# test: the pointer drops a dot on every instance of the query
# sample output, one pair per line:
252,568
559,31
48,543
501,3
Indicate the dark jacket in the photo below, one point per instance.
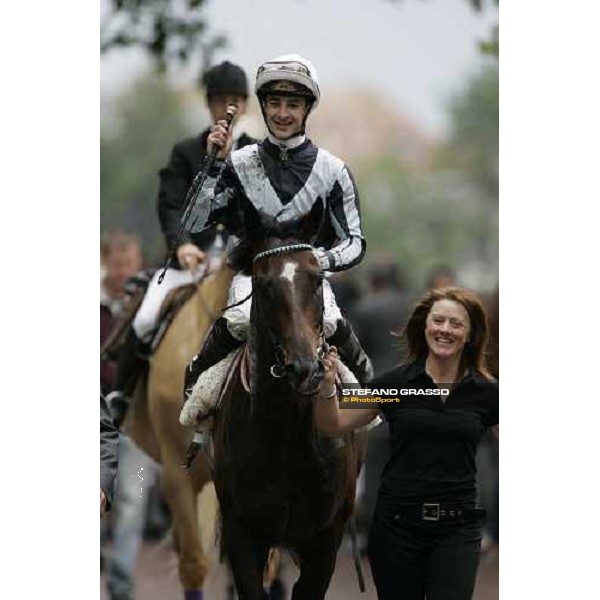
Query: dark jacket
109,451
186,160
107,367
376,318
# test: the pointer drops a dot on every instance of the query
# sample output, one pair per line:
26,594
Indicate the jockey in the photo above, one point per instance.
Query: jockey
224,84
284,176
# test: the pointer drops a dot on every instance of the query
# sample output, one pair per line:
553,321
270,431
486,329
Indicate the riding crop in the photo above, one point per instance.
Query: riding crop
192,195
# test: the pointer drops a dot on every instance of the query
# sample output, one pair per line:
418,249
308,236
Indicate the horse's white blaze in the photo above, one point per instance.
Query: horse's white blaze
288,271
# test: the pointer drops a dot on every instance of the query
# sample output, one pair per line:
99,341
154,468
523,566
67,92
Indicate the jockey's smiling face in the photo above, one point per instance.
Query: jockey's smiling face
284,114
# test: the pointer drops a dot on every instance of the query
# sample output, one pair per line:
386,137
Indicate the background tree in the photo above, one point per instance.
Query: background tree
170,31
173,31
448,213
472,145
134,145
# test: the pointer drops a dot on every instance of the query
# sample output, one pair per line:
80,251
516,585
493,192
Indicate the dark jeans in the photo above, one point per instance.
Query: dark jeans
413,560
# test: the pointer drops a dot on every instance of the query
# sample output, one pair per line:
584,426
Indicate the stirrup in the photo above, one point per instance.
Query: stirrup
200,440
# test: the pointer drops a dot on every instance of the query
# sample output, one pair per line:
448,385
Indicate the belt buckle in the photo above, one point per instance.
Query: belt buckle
427,506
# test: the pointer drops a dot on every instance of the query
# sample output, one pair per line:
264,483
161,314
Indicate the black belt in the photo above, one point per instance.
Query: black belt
432,511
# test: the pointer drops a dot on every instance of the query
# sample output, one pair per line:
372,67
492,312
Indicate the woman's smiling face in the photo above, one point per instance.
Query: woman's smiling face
447,329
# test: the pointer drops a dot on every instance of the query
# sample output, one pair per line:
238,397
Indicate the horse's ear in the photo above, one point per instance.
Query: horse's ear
310,226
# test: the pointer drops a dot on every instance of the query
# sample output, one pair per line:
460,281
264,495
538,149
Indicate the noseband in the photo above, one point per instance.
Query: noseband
278,369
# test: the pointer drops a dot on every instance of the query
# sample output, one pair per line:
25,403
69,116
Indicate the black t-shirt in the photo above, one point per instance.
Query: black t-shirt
433,442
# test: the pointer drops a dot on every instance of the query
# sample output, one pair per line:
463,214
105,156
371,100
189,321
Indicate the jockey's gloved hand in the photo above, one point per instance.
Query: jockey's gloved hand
323,259
189,256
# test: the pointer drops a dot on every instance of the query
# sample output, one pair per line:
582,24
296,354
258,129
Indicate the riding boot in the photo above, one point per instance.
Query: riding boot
132,361
217,345
351,352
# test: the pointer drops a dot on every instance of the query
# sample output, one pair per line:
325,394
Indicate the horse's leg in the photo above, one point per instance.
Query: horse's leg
154,424
181,495
317,562
247,559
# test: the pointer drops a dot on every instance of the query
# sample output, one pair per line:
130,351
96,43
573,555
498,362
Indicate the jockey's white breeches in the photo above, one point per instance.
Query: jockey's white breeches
147,315
238,318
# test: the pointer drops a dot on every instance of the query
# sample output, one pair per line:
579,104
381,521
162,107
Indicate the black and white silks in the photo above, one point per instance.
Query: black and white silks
285,183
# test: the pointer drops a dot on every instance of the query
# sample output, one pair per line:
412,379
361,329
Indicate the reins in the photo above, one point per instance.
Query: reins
278,369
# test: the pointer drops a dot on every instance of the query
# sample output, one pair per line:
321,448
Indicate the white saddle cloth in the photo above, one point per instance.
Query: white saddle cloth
205,394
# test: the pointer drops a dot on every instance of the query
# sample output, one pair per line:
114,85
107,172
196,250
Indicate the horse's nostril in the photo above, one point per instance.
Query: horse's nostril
300,369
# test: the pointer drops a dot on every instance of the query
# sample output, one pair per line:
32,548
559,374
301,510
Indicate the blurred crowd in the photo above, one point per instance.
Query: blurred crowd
377,301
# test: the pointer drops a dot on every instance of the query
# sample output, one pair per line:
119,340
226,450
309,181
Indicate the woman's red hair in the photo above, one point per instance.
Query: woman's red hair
474,353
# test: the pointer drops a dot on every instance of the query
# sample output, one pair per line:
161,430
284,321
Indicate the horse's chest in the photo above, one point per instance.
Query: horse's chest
288,500
286,516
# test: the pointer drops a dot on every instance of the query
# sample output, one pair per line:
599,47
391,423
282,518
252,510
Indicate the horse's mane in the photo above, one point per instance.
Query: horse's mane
240,257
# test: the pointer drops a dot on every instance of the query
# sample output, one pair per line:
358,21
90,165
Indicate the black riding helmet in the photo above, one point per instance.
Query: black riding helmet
225,78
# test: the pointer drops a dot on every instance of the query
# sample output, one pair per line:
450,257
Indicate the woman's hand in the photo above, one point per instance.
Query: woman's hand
330,363
329,418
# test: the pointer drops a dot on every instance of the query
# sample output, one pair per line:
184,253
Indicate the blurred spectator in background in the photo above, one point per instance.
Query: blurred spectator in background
224,84
109,449
487,455
121,258
383,311
137,475
346,289
440,276
380,313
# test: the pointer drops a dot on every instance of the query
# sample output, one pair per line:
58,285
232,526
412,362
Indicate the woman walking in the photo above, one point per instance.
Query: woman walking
425,536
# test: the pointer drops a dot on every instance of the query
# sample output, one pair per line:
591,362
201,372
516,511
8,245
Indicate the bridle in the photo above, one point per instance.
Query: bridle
278,369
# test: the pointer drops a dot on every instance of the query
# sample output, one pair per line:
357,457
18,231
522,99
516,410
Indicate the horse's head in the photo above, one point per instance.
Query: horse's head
287,306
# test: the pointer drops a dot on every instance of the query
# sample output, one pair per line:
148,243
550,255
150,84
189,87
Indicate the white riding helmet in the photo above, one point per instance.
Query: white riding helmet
290,67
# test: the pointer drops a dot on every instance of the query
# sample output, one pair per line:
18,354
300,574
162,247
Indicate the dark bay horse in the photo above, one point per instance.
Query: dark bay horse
279,483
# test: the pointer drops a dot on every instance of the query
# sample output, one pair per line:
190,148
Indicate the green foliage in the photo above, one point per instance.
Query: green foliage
148,121
450,213
491,46
423,219
169,30
473,142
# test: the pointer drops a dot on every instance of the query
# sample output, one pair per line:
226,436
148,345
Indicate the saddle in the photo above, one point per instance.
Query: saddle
136,288
204,399
175,299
